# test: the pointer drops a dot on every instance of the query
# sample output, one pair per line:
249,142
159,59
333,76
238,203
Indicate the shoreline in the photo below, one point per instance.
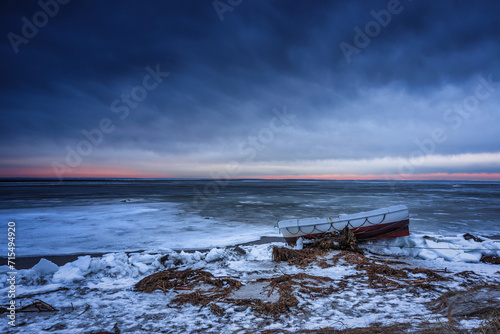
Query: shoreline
27,262
205,293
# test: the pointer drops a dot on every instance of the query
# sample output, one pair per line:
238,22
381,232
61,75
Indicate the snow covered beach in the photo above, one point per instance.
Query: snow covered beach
396,280
92,294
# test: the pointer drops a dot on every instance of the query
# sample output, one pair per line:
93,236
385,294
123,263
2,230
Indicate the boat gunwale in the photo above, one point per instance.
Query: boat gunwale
329,220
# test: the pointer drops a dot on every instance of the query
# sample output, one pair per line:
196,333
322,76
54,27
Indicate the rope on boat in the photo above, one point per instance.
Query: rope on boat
299,228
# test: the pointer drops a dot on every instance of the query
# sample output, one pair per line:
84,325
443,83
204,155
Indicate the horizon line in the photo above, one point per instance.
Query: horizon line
328,177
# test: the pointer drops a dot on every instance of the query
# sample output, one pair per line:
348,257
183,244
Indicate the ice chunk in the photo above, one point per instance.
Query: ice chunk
442,250
83,263
300,244
142,267
45,266
73,271
427,254
469,257
215,254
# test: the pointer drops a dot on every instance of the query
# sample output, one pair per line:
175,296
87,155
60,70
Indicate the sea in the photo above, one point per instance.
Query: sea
76,250
110,215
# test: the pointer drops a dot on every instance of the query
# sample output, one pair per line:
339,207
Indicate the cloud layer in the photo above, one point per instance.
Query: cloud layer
268,87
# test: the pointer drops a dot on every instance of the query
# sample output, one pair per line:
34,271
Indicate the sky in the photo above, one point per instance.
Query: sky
250,89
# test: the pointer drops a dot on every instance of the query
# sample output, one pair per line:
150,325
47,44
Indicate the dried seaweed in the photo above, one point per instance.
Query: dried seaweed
378,275
493,259
285,285
301,258
194,298
312,252
343,240
432,275
349,258
182,279
216,309
466,274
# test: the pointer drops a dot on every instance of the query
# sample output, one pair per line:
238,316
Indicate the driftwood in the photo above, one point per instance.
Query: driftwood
37,306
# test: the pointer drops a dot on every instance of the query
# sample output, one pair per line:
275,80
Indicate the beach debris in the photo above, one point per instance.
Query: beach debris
493,259
190,280
191,286
300,258
377,273
86,309
216,309
313,251
343,240
468,236
37,306
171,278
467,274
304,284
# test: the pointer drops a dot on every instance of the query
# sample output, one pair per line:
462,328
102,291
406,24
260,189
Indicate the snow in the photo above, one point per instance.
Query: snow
300,244
104,286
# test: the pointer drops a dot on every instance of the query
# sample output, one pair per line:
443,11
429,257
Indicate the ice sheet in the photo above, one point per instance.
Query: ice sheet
122,227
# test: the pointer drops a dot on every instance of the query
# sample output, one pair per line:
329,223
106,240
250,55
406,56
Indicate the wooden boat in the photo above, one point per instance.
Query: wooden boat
382,223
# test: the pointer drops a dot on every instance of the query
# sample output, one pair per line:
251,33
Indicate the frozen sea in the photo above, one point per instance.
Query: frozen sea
134,228
88,216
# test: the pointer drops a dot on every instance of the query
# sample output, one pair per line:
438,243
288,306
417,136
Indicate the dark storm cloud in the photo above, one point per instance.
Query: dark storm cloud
227,76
